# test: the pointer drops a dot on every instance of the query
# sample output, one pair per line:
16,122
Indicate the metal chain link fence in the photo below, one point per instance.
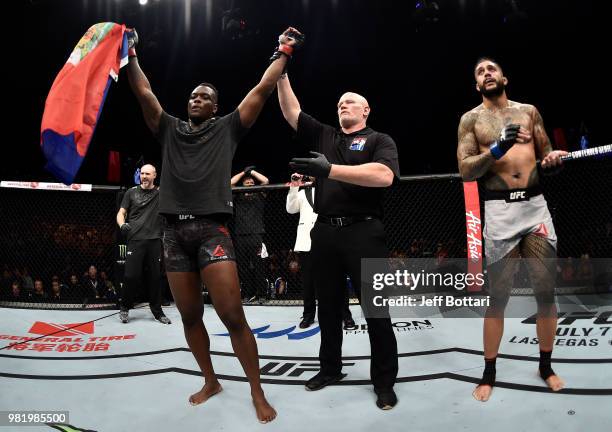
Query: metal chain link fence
56,236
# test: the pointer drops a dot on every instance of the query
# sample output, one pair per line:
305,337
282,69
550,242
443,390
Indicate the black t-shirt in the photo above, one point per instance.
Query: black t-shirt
142,206
249,214
197,164
336,198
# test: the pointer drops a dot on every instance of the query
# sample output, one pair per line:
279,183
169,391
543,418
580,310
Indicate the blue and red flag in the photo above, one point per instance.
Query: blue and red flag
77,96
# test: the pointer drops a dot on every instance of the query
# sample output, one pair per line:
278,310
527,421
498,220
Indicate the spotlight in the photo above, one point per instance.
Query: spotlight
514,15
143,2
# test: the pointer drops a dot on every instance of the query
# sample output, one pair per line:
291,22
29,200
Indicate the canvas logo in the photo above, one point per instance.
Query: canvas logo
570,318
261,333
398,326
74,329
292,369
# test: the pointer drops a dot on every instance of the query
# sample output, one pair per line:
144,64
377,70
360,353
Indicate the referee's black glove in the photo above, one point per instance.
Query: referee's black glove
317,166
125,228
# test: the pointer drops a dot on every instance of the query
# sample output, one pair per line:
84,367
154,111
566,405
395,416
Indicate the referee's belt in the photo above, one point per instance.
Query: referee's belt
512,195
342,221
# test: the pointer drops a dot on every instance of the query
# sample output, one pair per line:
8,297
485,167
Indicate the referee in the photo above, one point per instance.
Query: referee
353,166
139,221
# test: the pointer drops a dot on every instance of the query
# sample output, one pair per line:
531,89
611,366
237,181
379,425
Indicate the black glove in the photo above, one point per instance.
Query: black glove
506,140
125,228
247,170
132,39
318,166
290,40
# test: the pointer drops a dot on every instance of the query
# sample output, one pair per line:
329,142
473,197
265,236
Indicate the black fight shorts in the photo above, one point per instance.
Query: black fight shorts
193,242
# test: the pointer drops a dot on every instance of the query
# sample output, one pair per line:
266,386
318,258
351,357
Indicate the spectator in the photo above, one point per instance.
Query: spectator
56,291
27,281
109,292
584,275
39,293
302,202
92,284
74,291
567,271
248,231
16,293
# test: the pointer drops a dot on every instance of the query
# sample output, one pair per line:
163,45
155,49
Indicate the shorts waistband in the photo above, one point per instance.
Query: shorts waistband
174,218
512,195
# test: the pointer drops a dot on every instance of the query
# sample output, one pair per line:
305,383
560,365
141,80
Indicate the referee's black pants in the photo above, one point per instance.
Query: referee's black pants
336,252
308,289
141,255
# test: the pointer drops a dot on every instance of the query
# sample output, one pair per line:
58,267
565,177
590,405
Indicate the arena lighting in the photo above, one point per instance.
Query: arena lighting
143,2
514,14
426,13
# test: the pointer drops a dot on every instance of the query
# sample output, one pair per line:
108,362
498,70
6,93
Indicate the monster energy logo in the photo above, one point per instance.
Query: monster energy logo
122,251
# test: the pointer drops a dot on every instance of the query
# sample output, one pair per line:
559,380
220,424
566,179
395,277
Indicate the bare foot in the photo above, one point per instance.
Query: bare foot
482,392
265,412
207,391
555,383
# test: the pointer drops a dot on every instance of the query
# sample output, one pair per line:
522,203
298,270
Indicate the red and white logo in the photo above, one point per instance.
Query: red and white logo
219,252
74,329
541,231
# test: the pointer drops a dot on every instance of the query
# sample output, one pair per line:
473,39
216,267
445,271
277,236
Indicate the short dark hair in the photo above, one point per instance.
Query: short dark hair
210,86
486,58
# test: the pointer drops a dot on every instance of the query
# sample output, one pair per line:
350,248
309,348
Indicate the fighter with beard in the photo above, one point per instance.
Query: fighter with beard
499,142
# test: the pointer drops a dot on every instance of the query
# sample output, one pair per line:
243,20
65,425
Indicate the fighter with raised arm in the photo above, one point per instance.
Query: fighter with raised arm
196,202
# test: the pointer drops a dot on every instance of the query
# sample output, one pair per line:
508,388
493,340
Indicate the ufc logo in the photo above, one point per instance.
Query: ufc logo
517,195
185,217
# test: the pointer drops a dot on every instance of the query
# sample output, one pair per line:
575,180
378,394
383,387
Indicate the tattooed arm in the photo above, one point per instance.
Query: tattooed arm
540,138
472,163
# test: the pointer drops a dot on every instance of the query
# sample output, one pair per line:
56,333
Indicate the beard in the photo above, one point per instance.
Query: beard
498,90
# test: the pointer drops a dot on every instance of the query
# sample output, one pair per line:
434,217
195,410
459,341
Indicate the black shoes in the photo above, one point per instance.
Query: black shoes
349,323
163,319
124,316
319,381
386,399
306,321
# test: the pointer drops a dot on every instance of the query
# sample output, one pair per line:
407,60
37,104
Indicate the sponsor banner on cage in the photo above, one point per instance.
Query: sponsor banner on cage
473,228
437,287
75,187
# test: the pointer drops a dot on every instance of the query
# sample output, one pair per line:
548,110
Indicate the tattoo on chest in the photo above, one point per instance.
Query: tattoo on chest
490,124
